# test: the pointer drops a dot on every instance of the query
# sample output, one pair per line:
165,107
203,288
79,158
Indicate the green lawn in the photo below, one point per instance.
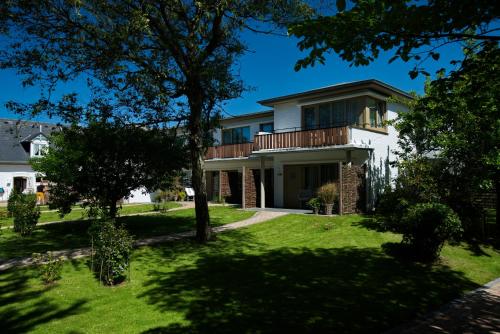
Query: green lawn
74,234
294,274
79,213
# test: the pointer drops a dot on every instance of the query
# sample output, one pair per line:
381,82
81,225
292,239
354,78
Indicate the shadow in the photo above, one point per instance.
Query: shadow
23,307
299,290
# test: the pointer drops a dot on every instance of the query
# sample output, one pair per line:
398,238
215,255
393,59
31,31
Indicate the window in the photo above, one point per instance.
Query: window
39,150
236,135
377,111
324,115
309,118
344,112
266,127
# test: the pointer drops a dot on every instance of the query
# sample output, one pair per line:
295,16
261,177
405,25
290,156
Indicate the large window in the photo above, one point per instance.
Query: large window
39,150
348,112
266,127
236,135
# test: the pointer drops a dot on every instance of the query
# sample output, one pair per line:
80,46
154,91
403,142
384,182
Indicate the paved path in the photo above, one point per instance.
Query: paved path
476,312
259,217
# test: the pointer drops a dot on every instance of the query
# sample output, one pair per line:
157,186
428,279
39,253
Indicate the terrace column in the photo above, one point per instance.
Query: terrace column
341,191
243,187
262,183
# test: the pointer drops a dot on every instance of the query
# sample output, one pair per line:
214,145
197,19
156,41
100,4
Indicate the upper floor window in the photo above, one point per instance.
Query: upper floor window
236,135
39,149
361,112
266,127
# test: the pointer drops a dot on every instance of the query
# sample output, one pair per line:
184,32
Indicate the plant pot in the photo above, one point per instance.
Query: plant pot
328,209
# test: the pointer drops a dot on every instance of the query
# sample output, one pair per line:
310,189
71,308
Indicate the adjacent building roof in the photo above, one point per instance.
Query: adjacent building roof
371,84
15,136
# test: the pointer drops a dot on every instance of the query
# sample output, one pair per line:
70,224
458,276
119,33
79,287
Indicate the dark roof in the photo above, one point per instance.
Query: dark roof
372,84
258,114
13,133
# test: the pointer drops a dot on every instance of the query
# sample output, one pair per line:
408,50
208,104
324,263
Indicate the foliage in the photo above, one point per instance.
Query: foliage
111,248
328,193
181,195
25,213
359,31
11,201
426,228
161,62
457,123
49,266
315,204
104,161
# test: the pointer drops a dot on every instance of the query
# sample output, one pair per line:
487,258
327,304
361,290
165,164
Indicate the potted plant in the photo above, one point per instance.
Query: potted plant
328,195
315,204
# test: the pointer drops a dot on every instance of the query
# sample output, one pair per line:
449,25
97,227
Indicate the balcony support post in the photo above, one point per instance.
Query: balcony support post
262,182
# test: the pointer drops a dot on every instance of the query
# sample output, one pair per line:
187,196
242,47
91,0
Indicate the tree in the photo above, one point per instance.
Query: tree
457,122
360,29
163,60
103,161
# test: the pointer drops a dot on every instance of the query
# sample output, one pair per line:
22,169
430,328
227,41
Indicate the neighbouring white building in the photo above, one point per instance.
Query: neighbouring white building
279,157
19,142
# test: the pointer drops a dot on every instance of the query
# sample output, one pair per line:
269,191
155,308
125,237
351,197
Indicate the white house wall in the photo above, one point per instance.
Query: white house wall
253,123
287,116
7,174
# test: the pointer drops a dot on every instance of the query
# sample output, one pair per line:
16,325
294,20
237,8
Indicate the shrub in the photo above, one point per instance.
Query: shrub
391,207
25,213
315,204
182,195
328,193
49,266
111,249
11,202
427,226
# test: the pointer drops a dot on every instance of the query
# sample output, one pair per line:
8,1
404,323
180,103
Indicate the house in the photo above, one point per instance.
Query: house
279,157
19,142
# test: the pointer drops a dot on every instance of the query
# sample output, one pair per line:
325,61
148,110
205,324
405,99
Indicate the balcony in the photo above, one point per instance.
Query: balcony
302,139
229,151
282,140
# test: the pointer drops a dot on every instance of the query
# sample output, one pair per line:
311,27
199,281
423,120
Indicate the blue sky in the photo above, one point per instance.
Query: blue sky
268,69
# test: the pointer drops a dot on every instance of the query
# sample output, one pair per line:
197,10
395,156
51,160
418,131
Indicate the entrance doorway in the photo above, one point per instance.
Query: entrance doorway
20,183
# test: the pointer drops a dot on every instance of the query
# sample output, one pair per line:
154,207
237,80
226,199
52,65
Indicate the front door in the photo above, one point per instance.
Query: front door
293,182
19,183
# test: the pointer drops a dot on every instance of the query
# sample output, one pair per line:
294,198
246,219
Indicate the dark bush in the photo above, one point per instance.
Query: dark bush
111,249
25,213
426,227
391,207
11,202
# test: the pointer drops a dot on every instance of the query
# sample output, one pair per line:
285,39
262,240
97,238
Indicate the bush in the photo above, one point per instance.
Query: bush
315,204
111,249
391,206
49,266
11,202
181,196
328,193
426,228
25,213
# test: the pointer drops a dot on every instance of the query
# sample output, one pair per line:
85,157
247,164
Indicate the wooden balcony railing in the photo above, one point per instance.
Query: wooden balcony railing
304,138
229,151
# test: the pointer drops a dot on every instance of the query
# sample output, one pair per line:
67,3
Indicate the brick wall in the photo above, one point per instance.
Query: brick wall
353,189
251,176
224,184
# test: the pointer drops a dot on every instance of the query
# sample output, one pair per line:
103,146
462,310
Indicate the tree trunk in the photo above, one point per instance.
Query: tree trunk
112,209
198,175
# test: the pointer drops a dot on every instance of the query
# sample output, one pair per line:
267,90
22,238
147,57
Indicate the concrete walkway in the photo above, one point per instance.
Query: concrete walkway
259,217
476,312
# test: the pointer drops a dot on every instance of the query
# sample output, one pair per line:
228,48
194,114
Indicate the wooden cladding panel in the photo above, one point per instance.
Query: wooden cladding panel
308,138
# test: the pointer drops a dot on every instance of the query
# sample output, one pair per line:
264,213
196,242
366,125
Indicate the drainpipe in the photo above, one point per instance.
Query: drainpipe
341,192
243,188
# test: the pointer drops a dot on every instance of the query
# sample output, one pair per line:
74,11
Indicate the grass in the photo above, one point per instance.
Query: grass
74,234
78,213
294,274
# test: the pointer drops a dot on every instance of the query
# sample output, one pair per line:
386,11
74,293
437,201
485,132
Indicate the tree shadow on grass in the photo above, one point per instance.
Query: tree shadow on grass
300,290
23,307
